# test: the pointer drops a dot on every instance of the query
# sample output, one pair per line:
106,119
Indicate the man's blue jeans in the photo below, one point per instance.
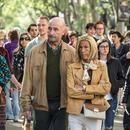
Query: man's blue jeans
110,113
12,107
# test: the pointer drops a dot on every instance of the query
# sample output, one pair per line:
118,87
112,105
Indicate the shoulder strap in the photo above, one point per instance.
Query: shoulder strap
128,71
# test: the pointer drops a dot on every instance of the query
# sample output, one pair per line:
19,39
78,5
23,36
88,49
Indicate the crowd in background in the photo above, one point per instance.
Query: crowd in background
112,49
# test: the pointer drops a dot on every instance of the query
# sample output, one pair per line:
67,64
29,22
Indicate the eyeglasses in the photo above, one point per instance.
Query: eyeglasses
104,46
100,28
25,38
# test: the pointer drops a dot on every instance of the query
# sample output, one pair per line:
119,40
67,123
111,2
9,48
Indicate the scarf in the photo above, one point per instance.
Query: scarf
86,67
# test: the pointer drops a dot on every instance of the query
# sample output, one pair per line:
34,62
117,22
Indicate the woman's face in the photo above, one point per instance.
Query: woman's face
91,31
84,50
104,48
24,40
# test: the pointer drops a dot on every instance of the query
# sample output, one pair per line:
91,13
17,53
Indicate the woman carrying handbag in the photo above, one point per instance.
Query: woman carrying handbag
87,84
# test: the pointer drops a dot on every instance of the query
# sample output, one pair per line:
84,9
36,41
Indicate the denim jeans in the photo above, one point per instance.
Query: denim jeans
110,113
78,122
12,106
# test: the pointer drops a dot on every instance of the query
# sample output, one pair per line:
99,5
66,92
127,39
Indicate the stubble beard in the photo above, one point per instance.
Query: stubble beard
52,39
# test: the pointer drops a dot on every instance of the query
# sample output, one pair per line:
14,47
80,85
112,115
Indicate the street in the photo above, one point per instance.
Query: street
118,123
18,126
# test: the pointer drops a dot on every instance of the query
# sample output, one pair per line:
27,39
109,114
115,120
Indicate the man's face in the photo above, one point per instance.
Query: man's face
115,39
42,26
33,31
55,31
100,29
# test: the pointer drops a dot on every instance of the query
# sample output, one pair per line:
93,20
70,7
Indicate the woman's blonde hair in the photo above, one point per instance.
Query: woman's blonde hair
93,46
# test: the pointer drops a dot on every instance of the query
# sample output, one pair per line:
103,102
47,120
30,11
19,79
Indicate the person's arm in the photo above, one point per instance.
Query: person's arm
13,78
120,75
0,89
5,74
29,47
125,56
26,92
15,82
104,85
8,60
126,88
75,90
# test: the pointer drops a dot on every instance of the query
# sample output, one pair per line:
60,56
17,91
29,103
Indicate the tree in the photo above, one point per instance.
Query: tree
75,12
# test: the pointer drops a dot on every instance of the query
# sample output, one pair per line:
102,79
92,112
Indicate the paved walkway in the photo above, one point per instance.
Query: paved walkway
118,122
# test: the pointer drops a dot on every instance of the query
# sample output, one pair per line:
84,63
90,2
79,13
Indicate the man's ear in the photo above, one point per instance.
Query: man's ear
66,29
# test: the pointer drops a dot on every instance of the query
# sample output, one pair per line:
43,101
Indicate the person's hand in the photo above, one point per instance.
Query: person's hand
124,105
26,114
101,82
96,61
78,87
12,89
128,55
0,89
15,82
19,86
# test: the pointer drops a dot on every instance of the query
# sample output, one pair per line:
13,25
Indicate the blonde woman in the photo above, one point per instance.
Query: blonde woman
87,84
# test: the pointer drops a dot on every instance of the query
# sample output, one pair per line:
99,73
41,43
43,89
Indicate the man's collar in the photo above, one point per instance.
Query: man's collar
63,46
57,47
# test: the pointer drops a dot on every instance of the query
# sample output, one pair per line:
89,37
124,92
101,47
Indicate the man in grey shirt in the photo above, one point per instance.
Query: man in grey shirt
42,26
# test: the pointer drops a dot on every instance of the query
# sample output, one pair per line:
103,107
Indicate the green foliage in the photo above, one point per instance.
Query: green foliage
21,13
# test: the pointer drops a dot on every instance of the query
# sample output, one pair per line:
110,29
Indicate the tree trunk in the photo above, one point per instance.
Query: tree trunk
94,14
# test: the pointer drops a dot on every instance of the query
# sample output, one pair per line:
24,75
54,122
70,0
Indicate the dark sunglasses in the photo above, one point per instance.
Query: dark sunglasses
25,38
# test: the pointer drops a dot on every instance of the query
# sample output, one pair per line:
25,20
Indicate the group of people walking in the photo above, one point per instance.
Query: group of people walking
60,81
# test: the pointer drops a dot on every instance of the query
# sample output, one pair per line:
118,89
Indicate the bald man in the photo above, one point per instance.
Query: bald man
45,80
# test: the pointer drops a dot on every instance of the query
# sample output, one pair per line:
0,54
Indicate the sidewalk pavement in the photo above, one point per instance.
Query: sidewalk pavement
117,126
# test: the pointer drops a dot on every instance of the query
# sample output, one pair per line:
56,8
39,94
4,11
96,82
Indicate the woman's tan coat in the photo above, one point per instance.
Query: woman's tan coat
76,97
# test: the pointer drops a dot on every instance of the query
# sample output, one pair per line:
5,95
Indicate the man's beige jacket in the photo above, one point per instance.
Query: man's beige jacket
34,80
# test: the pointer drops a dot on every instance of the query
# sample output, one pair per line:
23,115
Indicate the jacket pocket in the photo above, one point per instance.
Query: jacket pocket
36,80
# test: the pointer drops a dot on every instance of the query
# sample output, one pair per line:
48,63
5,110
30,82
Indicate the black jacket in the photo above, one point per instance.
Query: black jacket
127,87
116,75
120,54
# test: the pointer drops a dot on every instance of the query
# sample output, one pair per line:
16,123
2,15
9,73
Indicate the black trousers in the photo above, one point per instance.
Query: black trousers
54,119
126,120
2,127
